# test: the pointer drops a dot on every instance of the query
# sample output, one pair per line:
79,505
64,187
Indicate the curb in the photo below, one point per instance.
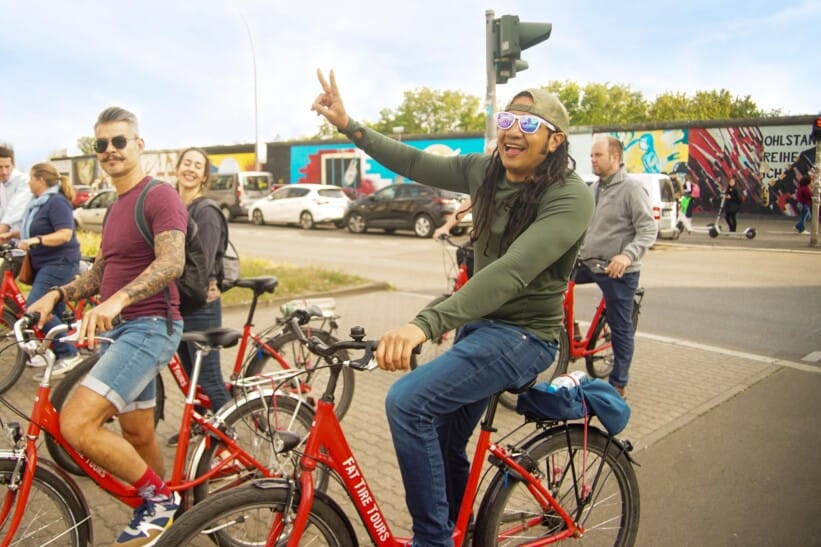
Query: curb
346,291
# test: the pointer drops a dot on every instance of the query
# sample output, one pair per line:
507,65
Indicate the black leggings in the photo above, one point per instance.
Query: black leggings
730,218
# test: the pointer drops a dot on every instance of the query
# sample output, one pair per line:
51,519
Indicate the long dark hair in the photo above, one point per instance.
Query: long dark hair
524,204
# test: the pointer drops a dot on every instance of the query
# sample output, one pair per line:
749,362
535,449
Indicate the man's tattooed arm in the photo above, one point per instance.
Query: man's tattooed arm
88,284
169,250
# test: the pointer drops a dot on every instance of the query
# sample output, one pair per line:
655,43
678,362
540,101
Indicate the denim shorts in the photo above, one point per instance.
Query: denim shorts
125,373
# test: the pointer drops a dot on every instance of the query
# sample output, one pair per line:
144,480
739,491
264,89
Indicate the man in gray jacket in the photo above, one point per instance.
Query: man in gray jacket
622,230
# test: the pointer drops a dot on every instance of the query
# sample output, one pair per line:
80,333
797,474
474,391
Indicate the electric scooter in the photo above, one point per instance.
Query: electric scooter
715,229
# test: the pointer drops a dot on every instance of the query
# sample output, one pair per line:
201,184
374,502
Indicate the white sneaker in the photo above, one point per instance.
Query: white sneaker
62,367
39,361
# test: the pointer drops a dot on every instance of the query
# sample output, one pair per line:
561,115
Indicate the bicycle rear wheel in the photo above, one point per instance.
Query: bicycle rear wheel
597,487
254,425
246,515
53,515
297,355
59,396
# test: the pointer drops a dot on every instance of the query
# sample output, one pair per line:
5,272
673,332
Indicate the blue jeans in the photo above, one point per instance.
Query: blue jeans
618,297
53,275
433,410
208,317
804,212
126,372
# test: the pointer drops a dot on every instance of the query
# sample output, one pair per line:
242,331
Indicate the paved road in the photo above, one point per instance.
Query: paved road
727,443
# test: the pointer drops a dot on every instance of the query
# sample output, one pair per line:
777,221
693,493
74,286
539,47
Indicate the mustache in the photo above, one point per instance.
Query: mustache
113,157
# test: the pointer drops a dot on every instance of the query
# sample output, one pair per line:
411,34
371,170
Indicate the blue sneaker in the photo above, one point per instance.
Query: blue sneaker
150,520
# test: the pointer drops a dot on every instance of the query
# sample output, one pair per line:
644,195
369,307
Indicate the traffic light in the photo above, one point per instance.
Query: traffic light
511,37
816,129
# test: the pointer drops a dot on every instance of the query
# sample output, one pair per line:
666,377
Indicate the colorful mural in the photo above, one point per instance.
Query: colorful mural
352,169
658,151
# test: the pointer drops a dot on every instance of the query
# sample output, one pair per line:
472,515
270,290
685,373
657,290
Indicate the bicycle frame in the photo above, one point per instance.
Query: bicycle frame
578,348
327,445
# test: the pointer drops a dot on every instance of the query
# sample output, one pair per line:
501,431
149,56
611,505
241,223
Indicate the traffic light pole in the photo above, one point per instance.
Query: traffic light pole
490,97
816,195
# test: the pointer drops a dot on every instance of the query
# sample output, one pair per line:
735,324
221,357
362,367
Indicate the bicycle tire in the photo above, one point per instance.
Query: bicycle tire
248,424
557,368
60,394
53,516
297,355
599,364
247,514
13,360
609,514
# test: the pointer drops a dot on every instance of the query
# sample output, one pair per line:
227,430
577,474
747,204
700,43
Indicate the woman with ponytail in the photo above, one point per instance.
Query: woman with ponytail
47,233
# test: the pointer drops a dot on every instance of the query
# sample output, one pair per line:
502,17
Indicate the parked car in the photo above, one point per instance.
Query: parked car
409,206
89,216
234,192
82,194
303,204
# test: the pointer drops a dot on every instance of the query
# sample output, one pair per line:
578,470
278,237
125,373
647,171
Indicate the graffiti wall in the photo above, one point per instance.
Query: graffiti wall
346,166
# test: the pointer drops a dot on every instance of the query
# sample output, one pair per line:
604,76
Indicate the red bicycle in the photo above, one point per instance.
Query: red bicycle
42,505
260,357
12,308
562,481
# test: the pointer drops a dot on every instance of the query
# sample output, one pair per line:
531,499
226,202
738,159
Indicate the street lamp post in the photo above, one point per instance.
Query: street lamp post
259,152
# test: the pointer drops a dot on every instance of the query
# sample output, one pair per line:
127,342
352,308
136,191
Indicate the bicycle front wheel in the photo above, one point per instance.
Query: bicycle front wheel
254,426
53,515
298,356
597,487
247,515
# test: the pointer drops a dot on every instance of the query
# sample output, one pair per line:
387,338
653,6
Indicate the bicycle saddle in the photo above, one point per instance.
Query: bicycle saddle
522,389
220,336
258,284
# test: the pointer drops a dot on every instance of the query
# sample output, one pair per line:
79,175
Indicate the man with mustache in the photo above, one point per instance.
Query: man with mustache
140,312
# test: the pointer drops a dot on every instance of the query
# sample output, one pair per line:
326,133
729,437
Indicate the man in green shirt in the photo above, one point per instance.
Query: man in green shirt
530,213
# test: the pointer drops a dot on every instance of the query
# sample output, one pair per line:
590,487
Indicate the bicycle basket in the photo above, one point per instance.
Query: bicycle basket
17,257
594,397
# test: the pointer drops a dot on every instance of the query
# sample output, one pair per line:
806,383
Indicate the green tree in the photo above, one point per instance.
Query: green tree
600,104
86,145
425,111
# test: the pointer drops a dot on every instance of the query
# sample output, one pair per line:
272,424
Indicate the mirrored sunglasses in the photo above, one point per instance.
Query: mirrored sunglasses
528,123
119,142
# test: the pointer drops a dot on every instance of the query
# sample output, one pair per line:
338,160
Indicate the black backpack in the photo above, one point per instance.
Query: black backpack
227,256
193,283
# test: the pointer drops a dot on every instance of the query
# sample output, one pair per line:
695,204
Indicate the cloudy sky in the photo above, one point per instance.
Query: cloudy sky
186,68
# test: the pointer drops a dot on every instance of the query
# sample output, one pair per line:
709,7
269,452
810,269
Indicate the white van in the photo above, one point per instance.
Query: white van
662,200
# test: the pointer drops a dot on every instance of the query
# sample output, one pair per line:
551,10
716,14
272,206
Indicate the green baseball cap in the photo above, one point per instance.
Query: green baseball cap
546,105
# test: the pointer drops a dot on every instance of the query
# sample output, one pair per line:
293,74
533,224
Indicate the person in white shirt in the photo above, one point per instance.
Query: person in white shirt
14,191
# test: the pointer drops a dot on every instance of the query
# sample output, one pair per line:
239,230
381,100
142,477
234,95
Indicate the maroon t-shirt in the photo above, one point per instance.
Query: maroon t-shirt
126,253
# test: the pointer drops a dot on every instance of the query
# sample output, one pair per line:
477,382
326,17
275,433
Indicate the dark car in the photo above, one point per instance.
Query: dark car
409,206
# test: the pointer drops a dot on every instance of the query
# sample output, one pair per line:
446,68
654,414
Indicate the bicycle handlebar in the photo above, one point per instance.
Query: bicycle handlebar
328,351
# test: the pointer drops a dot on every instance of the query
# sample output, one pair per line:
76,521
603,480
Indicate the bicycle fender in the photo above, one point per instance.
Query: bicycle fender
286,484
624,446
55,469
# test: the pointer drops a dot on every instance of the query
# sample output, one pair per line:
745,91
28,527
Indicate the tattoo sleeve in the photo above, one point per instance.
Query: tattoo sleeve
169,250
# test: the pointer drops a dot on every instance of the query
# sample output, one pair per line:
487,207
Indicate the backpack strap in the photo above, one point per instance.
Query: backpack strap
142,227
195,208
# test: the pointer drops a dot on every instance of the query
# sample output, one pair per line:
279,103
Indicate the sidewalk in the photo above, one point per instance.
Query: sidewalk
671,385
